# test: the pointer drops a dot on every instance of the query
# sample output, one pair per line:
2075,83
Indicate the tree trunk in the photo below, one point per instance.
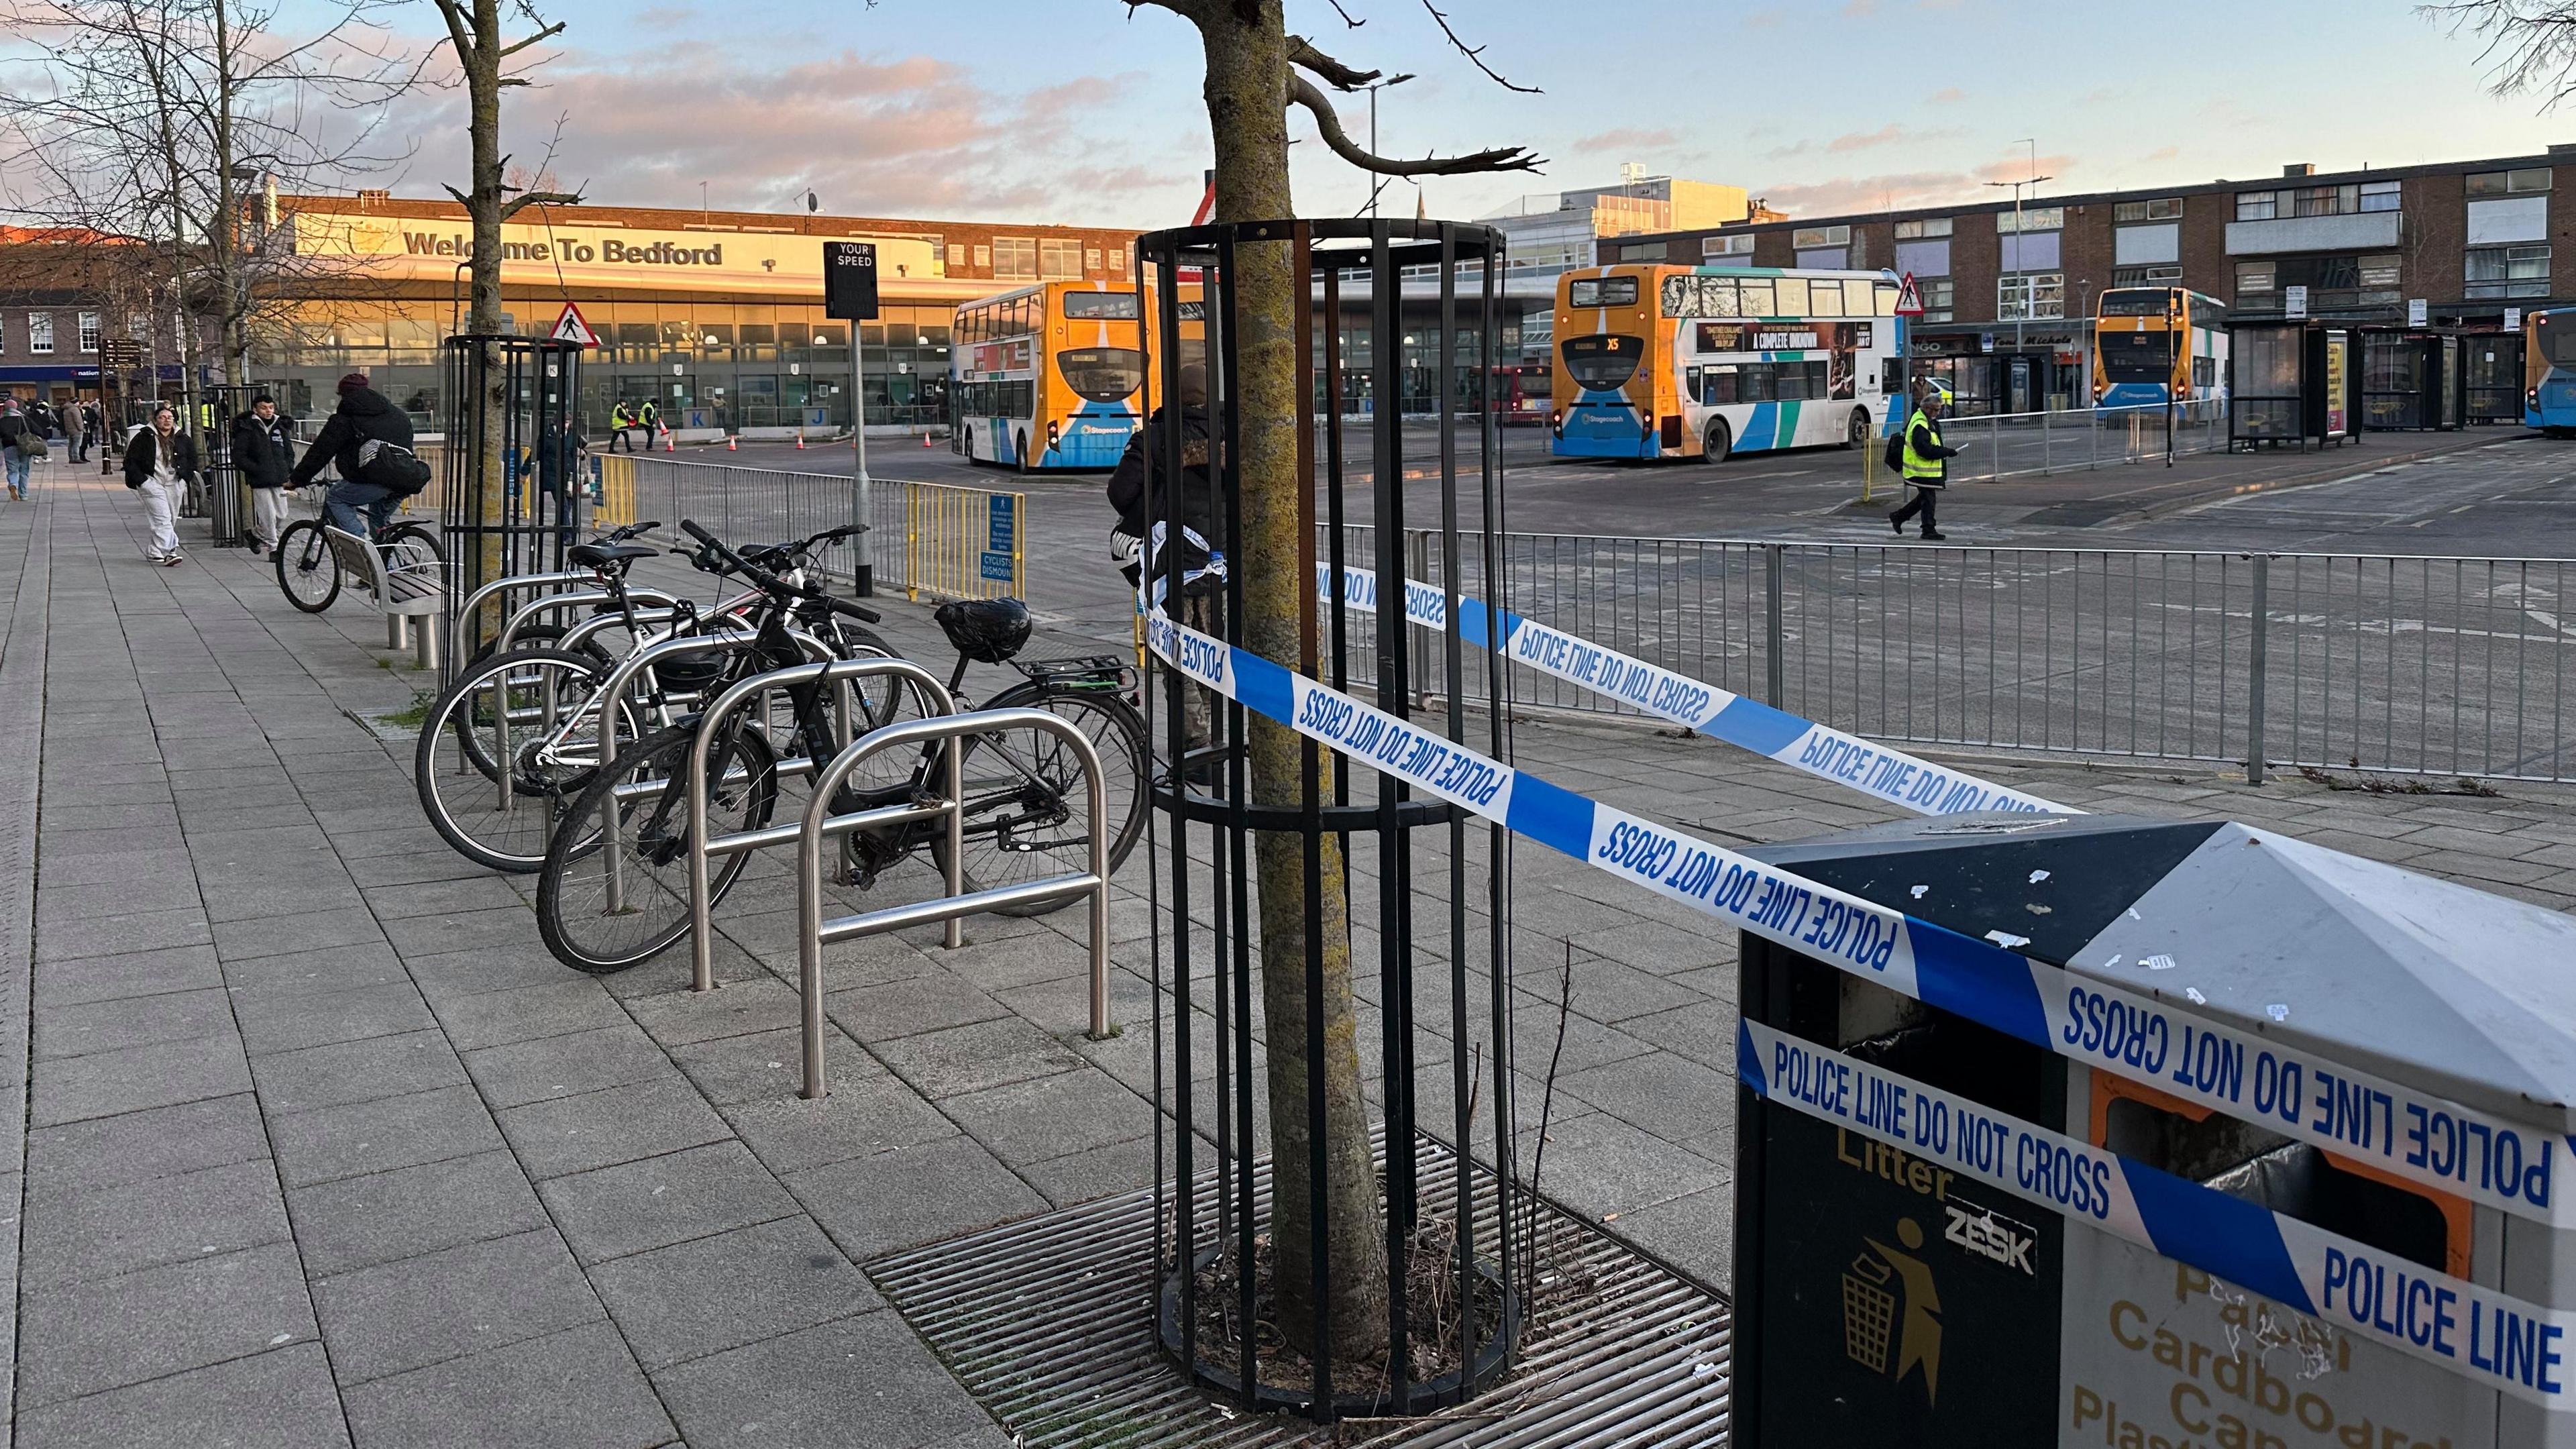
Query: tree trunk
1247,98
484,200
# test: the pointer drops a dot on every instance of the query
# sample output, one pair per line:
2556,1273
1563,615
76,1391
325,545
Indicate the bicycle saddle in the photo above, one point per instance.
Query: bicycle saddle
989,631
602,555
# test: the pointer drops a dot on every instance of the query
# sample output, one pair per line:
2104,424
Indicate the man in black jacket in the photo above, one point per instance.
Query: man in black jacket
263,454
1927,463
364,416
1143,519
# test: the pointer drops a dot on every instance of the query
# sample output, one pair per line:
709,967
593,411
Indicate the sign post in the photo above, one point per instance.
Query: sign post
850,295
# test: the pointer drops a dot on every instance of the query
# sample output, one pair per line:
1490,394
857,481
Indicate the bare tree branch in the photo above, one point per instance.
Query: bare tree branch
519,45
2530,44
522,202
1475,53
1346,15
1503,158
1332,72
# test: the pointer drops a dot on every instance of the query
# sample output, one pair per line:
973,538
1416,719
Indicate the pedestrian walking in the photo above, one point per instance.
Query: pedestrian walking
364,416
1136,491
160,461
620,418
1927,463
264,453
557,466
648,416
18,437
85,435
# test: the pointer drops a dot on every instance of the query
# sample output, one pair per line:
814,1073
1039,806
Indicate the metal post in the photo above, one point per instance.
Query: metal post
1774,561
2255,656
861,570
1417,565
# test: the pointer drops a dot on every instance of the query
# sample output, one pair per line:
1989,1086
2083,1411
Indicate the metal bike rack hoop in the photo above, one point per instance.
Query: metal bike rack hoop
701,848
812,932
508,638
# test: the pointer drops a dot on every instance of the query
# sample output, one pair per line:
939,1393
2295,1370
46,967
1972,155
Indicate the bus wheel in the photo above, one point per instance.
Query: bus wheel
1720,442
1857,435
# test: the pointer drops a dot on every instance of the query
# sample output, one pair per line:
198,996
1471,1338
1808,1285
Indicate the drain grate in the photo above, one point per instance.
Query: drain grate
1046,1322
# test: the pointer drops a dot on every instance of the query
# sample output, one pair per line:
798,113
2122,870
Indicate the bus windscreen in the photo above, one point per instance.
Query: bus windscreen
1107,306
1602,292
2136,356
2137,302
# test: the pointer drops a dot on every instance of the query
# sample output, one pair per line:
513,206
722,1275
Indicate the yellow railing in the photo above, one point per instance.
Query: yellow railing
616,507
962,543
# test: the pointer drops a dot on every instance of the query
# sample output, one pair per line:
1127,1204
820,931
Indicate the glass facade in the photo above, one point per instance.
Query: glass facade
710,364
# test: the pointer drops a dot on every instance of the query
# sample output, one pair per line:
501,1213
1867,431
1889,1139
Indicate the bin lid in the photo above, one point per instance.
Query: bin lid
2465,994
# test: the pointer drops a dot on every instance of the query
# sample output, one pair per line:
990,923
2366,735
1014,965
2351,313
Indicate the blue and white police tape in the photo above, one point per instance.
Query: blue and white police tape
2499,1341
1893,776
2505,1165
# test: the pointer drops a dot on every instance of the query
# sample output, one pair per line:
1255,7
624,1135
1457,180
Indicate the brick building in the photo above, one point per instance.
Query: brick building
2008,315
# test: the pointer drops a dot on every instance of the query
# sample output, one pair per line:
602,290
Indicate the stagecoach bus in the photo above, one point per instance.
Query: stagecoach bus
2549,370
2155,343
1703,362
1049,376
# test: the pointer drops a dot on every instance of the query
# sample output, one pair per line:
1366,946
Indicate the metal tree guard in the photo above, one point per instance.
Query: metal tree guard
497,516
1452,1175
227,493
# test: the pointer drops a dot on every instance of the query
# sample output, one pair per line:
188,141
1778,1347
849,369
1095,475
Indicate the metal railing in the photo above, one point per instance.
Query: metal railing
703,848
813,933
2069,440
2422,665
927,539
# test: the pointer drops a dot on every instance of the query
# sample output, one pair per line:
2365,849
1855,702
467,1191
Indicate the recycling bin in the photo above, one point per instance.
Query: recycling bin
2264,1157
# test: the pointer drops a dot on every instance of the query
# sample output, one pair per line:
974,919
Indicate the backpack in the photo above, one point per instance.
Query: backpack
391,466
1895,455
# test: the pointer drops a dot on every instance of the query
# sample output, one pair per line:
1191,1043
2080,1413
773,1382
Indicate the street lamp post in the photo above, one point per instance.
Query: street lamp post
2021,317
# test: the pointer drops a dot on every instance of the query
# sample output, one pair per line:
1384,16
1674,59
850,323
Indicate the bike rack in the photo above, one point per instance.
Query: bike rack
813,932
499,588
664,608
610,691
702,849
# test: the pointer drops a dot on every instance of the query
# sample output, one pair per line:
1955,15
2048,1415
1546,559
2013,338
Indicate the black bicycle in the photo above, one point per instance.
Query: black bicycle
309,575
1026,792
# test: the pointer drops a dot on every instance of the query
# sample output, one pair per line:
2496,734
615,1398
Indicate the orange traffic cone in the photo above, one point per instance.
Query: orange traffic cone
800,440
729,446
669,443
925,440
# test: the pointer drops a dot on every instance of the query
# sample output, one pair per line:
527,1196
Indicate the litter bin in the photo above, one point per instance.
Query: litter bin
2263,1156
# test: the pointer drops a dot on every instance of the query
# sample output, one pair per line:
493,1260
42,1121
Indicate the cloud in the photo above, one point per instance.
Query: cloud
1887,135
665,17
1629,138
872,135
1946,96
1897,190
1890,134
2164,153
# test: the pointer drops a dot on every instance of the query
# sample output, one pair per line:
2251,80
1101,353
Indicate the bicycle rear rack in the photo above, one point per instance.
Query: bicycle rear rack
813,933
703,848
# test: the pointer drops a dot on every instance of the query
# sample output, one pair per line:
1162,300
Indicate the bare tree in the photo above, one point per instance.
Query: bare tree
1257,71
477,30
2530,44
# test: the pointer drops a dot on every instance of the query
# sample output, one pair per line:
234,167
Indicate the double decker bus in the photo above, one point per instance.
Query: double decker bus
2549,371
2152,345
1705,362
1047,376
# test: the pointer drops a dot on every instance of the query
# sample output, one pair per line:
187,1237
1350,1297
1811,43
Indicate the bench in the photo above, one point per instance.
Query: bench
405,582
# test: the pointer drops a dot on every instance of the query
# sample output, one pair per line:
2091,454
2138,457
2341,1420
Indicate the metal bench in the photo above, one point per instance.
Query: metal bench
404,582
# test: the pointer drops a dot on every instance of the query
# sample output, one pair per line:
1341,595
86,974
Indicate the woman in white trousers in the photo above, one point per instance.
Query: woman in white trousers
160,462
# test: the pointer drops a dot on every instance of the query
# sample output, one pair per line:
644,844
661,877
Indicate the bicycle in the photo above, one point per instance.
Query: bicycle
603,910
308,574
537,707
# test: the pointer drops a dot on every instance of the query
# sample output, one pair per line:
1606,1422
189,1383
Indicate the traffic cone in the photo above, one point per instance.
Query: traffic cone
800,440
669,443
925,440
729,446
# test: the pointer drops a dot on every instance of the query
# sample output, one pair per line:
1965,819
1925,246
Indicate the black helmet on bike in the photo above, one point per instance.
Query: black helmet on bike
988,631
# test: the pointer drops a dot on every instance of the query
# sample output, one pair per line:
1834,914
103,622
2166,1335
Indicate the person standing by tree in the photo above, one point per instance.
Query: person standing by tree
264,454
160,461
1927,463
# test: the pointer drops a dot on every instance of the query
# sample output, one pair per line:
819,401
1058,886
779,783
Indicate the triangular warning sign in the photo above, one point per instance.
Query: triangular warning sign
1909,298
573,327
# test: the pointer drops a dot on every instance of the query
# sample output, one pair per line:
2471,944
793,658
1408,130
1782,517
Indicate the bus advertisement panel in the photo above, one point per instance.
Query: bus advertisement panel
2152,345
1704,362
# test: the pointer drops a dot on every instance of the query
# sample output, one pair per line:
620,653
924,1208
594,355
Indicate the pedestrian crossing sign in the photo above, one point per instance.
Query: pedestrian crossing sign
573,327
1909,298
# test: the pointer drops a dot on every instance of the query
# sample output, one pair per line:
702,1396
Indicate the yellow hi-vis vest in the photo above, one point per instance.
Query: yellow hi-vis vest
1916,465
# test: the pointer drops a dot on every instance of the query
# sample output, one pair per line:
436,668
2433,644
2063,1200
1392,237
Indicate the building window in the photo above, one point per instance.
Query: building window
2379,196
2509,272
1939,297
1059,260
138,325
89,332
1923,228
1118,260
40,332
1091,259
2509,183
2317,201
2162,276
956,256
1740,244
1015,258
1821,236
2163,209
1642,252
2032,218
2031,296
2256,206
983,257
2256,279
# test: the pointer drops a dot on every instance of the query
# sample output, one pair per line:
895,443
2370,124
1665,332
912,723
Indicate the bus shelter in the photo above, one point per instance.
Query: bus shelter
2292,384
2491,380
2410,379
2243,1149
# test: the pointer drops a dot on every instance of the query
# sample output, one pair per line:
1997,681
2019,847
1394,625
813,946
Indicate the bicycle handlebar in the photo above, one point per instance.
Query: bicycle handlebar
771,582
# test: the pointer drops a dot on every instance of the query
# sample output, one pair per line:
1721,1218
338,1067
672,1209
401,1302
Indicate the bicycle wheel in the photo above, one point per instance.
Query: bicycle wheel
456,766
417,535
1027,806
603,906
306,571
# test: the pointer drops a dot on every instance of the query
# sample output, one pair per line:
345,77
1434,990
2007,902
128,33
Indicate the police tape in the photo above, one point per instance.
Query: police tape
2499,1341
2426,1139
1905,781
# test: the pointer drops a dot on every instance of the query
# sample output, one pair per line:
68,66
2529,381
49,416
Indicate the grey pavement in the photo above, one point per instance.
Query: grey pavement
317,1146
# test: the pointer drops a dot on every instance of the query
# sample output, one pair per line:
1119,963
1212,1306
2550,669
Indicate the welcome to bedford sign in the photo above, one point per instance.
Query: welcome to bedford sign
537,254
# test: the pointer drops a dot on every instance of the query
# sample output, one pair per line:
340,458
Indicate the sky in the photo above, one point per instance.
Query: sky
1079,112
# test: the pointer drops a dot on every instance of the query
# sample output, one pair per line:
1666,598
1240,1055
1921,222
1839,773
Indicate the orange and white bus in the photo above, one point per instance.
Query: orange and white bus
1049,376
1659,361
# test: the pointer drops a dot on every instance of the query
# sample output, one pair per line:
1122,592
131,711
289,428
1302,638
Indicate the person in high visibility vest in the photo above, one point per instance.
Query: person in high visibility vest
1927,463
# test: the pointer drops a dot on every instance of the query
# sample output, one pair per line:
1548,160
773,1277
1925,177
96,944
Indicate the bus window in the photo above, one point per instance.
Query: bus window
1108,306
1789,294
1602,292
2135,356
1101,374
1717,385
1825,299
1886,299
2562,344
1754,298
1602,363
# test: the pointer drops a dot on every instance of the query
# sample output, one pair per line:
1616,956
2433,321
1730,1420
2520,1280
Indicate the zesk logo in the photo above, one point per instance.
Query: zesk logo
1982,1232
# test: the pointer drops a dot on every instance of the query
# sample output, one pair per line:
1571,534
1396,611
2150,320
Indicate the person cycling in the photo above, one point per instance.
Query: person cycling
363,416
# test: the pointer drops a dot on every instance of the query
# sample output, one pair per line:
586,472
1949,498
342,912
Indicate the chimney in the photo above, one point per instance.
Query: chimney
370,200
2302,168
